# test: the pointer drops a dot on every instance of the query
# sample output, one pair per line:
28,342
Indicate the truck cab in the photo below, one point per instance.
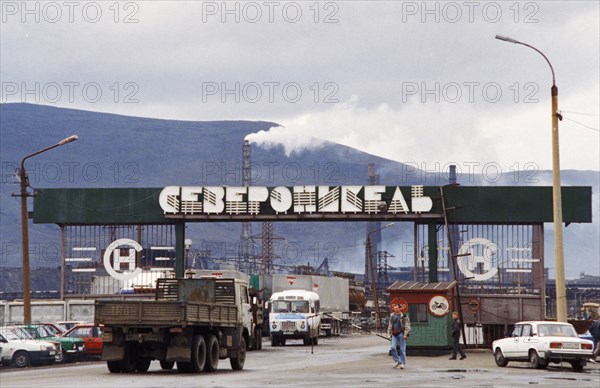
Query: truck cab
294,314
250,312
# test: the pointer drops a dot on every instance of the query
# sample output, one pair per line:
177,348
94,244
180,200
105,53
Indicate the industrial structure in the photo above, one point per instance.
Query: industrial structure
485,241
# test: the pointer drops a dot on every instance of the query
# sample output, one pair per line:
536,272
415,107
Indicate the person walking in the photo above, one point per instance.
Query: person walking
398,332
595,332
456,346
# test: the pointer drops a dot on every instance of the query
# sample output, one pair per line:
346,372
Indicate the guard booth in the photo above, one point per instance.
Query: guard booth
429,307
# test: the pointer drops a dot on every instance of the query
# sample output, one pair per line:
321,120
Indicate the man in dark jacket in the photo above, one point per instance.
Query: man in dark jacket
457,348
398,332
595,332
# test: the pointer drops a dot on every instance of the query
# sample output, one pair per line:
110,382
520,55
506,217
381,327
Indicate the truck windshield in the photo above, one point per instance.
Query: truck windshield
287,306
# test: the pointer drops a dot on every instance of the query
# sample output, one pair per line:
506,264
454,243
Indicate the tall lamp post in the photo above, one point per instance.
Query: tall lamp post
24,180
372,270
561,293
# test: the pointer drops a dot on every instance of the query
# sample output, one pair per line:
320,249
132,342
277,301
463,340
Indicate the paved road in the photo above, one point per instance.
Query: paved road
348,361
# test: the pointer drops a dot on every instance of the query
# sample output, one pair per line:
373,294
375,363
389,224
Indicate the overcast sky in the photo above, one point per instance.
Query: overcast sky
418,82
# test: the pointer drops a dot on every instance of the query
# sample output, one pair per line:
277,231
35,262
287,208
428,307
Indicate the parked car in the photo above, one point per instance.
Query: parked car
20,350
91,335
543,342
55,329
71,348
68,325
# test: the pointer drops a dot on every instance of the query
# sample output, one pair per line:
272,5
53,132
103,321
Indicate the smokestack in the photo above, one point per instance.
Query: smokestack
452,175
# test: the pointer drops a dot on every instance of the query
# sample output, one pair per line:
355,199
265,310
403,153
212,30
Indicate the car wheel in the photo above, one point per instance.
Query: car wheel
499,358
535,361
577,365
60,357
21,359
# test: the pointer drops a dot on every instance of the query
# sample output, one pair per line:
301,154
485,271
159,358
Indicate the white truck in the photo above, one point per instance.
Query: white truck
330,296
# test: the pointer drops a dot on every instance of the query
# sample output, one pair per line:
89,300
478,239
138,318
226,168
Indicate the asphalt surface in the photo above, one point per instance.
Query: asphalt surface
347,361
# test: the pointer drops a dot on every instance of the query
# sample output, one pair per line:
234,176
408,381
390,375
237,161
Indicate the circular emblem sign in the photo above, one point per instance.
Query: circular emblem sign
439,306
473,305
402,303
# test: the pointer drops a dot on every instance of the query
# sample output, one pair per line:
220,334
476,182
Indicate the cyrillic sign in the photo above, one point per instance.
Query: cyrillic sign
256,200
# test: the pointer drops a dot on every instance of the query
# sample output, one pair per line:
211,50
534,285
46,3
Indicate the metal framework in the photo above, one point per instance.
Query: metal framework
515,253
83,247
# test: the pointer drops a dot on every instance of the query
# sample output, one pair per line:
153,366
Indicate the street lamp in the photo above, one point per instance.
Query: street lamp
24,180
372,270
561,297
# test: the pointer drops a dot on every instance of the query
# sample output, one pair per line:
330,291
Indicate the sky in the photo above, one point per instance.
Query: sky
419,82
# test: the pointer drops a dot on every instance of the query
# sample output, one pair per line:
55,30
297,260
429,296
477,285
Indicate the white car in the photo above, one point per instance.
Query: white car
21,351
542,342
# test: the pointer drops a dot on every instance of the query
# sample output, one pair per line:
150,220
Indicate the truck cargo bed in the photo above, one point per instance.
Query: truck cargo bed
178,302
164,313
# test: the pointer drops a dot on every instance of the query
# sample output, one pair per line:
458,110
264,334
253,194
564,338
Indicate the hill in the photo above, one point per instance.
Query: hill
122,151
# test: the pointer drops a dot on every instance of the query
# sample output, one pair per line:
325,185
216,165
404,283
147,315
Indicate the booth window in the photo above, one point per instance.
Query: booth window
417,312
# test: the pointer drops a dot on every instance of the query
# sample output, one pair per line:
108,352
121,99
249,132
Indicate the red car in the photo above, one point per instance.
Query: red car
91,335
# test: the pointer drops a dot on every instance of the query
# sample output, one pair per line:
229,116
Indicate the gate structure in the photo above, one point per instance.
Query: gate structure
487,239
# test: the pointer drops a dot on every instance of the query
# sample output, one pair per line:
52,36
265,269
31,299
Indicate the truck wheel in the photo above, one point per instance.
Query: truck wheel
184,367
237,363
198,354
258,338
256,342
128,364
307,341
114,366
282,341
167,365
315,340
21,359
142,364
212,353
274,341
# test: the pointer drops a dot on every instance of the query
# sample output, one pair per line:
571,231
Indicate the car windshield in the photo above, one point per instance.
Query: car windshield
15,333
37,331
52,330
286,306
557,331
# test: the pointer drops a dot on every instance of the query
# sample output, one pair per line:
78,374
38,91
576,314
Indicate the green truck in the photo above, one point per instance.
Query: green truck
192,322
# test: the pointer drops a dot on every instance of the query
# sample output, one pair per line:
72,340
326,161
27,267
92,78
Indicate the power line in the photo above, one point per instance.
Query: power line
583,125
579,113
